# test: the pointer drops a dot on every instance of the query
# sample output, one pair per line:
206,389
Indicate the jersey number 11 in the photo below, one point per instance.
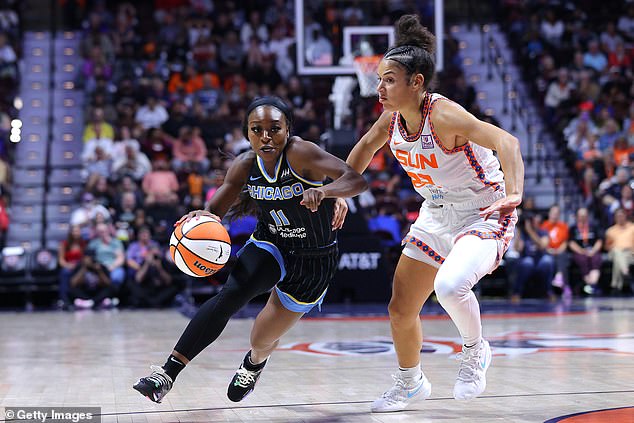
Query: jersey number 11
279,218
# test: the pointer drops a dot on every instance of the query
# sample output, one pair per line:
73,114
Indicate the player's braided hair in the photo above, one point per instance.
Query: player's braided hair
414,48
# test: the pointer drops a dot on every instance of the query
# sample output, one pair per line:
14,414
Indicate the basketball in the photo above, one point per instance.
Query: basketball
200,247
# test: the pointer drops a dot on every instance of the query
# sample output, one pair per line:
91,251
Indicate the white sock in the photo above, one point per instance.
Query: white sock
411,373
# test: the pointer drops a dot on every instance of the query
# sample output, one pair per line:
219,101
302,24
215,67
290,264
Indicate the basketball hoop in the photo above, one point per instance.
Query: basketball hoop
365,68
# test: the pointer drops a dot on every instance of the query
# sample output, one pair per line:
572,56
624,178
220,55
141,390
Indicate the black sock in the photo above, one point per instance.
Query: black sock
248,364
173,366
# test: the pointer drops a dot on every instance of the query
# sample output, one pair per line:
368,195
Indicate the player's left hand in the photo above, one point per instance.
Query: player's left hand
338,217
505,206
195,214
312,198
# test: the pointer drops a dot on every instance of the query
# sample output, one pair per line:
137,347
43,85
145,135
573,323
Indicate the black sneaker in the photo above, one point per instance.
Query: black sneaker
156,385
243,382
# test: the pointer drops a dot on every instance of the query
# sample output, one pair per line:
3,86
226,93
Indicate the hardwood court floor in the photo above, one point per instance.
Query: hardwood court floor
548,362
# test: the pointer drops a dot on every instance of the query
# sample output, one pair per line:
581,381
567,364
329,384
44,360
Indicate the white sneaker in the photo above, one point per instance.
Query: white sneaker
401,394
471,380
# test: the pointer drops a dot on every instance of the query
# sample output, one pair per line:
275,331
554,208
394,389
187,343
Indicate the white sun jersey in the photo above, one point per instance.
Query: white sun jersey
467,176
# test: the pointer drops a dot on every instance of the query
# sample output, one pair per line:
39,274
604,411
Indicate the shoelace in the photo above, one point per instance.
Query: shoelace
468,366
245,378
396,392
158,376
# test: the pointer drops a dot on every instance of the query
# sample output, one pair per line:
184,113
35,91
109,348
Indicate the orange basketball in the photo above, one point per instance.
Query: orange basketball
200,247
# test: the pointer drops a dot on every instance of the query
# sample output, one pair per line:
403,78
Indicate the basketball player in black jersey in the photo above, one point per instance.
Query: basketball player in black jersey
292,252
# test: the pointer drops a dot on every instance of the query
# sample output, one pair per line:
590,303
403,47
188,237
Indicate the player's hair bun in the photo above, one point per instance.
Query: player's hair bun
410,32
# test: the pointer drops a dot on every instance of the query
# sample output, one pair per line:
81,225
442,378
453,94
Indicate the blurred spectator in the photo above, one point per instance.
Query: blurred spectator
89,152
8,59
533,263
622,152
97,127
90,285
620,58
587,91
102,192
178,118
210,95
97,33
124,217
594,59
231,53
189,151
127,185
235,142
70,254
586,243
559,91
124,139
87,212
150,284
578,134
205,54
254,28
157,145
318,49
610,135
278,47
255,53
626,23
552,28
558,244
610,38
109,252
133,163
152,114
94,68
160,185
99,166
611,189
187,82
619,241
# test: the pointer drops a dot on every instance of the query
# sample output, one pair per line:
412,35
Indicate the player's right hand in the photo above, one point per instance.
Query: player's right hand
339,216
195,214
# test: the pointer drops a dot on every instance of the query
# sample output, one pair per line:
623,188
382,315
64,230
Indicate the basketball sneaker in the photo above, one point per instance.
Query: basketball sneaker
156,385
471,380
401,394
243,382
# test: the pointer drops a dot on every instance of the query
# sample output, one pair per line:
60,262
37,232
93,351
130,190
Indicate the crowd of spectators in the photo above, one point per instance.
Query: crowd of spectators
584,76
578,59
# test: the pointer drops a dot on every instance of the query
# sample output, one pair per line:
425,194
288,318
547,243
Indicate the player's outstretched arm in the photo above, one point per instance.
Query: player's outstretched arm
362,153
452,122
313,163
228,192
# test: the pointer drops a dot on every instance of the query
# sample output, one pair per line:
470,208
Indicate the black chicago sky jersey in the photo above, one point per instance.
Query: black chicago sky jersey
281,219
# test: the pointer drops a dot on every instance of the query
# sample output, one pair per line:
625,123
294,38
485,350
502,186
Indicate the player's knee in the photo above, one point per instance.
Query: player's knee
401,313
448,290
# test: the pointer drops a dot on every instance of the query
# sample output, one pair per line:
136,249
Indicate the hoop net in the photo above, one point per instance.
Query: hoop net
365,68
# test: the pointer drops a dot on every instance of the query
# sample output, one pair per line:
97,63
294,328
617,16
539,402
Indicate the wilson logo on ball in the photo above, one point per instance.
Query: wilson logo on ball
203,268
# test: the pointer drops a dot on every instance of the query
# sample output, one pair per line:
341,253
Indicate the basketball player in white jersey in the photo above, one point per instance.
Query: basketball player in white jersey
466,220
